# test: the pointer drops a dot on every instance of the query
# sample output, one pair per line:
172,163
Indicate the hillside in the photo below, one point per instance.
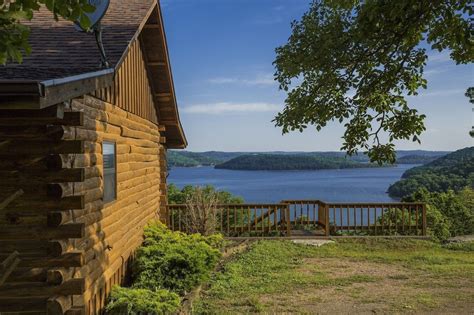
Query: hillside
288,162
192,159
453,171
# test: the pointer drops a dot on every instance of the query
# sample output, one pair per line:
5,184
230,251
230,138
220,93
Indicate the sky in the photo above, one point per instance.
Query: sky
221,55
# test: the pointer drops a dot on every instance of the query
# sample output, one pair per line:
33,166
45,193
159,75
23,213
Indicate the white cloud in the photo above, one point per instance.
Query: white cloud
444,92
223,108
223,80
262,79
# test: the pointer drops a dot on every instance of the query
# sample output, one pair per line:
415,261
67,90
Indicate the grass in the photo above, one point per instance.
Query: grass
363,275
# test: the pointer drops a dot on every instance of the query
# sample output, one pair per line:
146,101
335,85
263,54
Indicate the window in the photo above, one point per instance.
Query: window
110,178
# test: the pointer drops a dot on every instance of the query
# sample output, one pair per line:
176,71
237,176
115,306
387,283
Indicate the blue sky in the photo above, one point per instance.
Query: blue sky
222,52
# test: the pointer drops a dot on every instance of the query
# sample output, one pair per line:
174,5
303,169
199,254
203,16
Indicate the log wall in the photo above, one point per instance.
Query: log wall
27,139
114,230
72,246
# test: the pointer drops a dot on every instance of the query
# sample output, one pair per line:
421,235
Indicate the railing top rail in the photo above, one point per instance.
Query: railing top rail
371,204
254,205
285,203
302,201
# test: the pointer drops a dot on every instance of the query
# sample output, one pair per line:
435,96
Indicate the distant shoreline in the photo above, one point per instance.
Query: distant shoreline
178,158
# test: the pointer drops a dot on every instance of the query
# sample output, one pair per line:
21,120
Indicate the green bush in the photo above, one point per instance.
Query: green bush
447,214
174,260
142,301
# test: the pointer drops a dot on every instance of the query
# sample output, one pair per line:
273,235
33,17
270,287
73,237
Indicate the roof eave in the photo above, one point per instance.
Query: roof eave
27,94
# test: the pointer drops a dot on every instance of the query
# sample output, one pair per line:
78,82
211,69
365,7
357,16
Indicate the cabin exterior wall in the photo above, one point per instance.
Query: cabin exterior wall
74,246
114,230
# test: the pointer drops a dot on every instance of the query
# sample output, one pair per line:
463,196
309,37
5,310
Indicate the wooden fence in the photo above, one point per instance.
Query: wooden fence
305,218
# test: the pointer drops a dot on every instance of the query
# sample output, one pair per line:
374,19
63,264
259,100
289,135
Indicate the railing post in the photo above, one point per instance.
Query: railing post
424,220
288,220
326,218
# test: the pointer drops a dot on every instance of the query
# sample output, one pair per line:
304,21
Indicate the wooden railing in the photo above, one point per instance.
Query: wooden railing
308,218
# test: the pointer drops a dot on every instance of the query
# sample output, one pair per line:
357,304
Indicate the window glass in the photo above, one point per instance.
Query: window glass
110,178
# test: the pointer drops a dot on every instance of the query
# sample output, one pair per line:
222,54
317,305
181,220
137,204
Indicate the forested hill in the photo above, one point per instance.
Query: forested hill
191,159
289,162
453,171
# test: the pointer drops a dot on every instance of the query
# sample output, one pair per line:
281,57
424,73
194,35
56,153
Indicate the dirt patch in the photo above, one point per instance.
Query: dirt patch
369,288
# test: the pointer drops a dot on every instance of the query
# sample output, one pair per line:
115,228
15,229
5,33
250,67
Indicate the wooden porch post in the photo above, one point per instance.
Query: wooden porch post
326,218
424,220
288,220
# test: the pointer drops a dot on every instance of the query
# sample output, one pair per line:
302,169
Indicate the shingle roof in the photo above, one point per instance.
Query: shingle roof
59,50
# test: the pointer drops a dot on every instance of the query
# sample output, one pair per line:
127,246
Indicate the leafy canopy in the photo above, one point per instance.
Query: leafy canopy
355,61
14,35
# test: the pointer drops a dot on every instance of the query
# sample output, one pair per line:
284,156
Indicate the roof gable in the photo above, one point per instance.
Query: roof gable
65,63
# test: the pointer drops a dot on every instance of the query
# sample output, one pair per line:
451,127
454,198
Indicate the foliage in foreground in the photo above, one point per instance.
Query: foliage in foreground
272,269
356,61
448,214
174,260
142,301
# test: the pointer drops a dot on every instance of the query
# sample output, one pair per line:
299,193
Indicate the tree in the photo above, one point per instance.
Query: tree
14,35
354,61
470,94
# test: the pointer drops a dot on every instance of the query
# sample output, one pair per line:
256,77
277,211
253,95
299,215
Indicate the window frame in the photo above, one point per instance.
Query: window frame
114,143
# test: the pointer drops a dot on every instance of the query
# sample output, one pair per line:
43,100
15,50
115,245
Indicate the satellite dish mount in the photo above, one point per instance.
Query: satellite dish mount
95,18
98,38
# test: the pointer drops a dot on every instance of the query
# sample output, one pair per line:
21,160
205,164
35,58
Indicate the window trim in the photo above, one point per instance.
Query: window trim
114,143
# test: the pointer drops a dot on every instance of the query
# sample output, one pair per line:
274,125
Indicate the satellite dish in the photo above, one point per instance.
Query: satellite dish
95,17
101,7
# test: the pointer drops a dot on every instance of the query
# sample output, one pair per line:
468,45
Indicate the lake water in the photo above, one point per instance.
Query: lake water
346,185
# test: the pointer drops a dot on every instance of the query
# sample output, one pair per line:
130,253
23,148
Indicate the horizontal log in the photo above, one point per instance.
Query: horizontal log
69,119
45,248
50,112
10,148
71,259
23,206
48,132
35,177
33,289
73,230
28,275
23,304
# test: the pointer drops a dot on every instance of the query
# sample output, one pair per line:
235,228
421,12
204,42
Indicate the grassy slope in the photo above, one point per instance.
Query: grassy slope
352,275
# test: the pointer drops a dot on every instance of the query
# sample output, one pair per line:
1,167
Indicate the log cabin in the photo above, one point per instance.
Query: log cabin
82,157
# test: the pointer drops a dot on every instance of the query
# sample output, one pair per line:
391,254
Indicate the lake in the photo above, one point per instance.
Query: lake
344,185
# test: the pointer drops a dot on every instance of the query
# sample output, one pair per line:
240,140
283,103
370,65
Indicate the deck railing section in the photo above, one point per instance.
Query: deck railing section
235,220
313,217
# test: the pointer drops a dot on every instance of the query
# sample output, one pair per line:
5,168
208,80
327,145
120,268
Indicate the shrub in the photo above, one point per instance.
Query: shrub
201,212
142,301
174,260
448,214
